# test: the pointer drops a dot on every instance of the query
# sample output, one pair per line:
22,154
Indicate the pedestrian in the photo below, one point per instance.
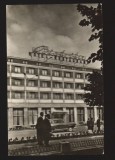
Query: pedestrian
46,129
92,124
39,128
88,123
98,125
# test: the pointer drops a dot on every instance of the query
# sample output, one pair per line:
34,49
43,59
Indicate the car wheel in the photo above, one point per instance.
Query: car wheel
70,129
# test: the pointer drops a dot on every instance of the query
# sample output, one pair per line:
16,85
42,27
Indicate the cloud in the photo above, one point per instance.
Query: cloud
56,26
11,47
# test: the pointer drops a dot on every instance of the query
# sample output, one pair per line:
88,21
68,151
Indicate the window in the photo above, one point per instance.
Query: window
68,85
18,95
45,84
17,69
18,117
90,112
57,96
32,83
101,113
44,72
32,95
46,110
79,75
79,86
33,115
57,84
70,114
57,58
17,82
65,59
56,73
69,96
31,70
45,95
80,114
79,96
67,74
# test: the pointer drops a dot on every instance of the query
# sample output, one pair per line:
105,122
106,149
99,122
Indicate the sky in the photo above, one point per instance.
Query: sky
54,25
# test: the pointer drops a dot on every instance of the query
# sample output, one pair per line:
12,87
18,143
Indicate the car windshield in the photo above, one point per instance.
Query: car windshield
58,121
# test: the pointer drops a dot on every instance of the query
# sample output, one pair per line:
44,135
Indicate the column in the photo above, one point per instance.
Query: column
25,83
39,110
51,86
10,79
63,85
38,86
74,87
10,117
65,118
26,117
75,115
86,117
52,109
95,113
84,77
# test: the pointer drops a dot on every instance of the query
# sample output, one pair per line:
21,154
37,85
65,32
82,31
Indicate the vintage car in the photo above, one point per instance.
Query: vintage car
58,125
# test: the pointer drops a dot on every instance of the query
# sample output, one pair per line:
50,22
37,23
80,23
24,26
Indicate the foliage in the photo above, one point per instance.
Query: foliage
93,18
94,95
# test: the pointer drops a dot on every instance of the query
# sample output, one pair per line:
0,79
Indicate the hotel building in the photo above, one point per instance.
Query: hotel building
35,85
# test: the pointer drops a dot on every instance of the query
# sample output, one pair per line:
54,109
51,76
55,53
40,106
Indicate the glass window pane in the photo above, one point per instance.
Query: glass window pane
15,121
21,120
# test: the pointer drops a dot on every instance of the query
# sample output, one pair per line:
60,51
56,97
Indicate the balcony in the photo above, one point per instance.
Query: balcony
17,88
32,101
79,90
68,79
57,90
69,101
16,100
79,101
31,76
45,100
45,77
57,101
79,80
69,90
45,89
17,75
32,88
57,78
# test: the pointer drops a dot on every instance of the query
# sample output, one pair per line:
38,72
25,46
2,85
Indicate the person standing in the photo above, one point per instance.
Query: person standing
98,125
88,123
46,129
39,128
92,124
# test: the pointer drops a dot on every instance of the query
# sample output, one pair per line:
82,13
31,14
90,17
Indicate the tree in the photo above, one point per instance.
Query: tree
94,91
94,20
94,95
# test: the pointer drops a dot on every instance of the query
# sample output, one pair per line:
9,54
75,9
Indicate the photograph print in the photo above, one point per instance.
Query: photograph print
55,79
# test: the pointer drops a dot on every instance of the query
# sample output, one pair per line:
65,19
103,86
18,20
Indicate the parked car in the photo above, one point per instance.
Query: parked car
58,125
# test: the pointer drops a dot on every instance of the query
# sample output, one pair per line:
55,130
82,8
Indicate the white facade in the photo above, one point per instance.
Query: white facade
34,86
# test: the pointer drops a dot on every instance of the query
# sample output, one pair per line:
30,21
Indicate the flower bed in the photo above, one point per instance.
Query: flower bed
54,137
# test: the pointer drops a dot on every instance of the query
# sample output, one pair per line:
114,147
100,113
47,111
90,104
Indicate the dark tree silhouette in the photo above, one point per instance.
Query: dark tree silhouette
94,95
93,18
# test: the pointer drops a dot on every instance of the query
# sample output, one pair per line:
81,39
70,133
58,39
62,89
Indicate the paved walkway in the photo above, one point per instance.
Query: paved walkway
76,146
